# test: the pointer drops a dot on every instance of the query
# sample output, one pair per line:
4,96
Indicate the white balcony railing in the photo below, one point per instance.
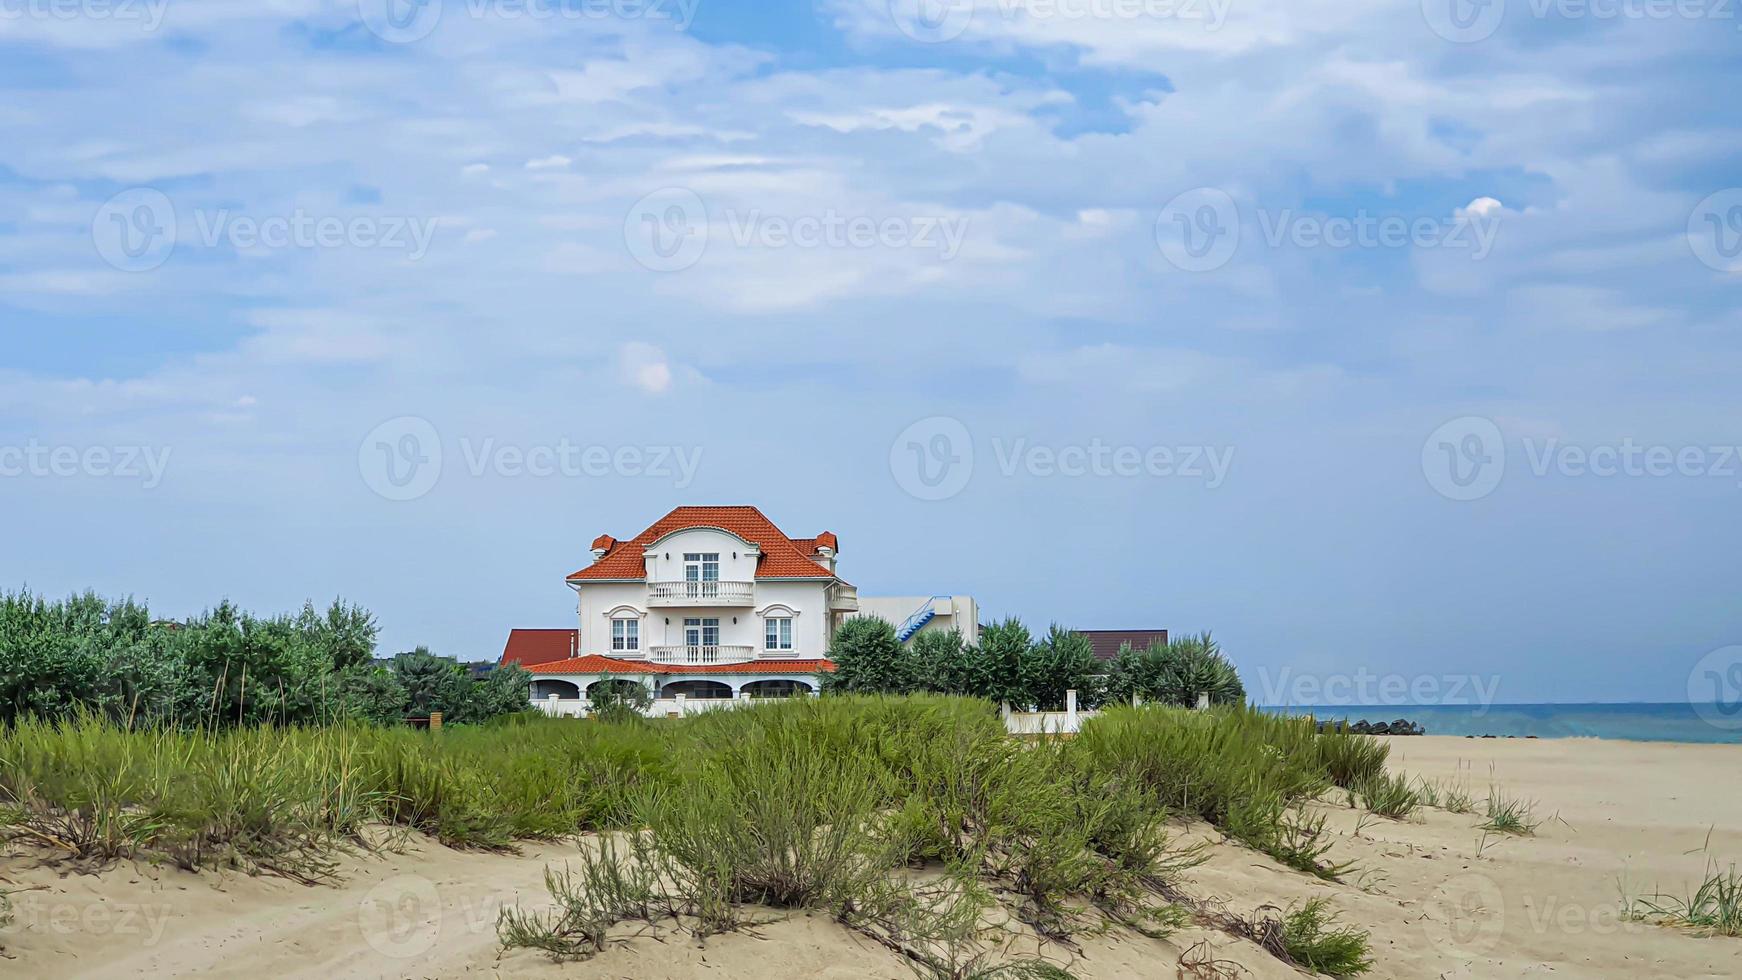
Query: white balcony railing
699,593
698,655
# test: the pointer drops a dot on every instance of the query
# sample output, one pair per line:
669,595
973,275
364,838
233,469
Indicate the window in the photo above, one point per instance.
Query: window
625,634
701,632
701,573
777,633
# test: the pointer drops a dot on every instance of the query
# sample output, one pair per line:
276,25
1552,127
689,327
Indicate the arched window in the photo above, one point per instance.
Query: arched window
778,629
626,631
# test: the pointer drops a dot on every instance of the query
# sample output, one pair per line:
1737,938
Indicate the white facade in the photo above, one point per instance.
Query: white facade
683,609
702,603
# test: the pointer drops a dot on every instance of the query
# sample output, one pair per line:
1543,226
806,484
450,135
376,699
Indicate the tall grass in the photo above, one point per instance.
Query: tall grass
1239,769
1712,907
818,804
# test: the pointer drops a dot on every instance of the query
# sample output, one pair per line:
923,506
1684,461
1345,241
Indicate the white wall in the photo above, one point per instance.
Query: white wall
739,625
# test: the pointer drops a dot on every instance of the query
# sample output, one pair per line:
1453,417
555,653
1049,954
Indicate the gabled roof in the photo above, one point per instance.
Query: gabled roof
782,557
539,646
593,663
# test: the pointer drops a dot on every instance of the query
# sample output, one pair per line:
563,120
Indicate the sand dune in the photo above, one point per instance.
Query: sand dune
1439,900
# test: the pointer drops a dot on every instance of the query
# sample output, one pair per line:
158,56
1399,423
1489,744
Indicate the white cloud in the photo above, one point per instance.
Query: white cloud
645,366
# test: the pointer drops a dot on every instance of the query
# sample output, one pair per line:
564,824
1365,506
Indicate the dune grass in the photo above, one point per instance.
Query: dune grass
1509,815
1713,907
830,805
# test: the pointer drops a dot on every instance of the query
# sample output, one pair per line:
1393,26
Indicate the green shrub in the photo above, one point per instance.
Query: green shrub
1388,796
1312,939
1174,673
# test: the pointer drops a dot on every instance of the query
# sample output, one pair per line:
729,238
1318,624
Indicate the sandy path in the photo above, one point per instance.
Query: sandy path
1440,901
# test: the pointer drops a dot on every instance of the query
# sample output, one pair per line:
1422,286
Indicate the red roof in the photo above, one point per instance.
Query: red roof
593,663
782,557
540,646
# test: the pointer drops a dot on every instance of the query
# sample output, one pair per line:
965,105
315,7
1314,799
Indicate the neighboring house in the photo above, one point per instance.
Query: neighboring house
912,615
1108,642
711,603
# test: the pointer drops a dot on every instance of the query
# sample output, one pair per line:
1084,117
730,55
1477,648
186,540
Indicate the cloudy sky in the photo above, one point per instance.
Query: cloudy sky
1391,338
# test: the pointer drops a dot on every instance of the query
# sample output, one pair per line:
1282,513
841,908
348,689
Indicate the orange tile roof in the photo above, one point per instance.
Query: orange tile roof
539,646
781,557
593,663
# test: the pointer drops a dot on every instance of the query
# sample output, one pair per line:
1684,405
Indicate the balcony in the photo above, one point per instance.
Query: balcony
700,593
692,656
844,598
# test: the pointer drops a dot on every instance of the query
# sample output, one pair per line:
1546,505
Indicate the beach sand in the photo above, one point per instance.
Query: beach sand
1439,899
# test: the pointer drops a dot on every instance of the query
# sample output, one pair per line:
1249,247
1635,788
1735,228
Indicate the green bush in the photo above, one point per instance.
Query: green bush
1175,673
226,668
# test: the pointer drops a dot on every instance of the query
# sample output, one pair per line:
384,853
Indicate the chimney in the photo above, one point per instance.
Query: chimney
602,545
827,546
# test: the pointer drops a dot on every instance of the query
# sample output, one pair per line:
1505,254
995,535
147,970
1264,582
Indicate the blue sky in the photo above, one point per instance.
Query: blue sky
1418,280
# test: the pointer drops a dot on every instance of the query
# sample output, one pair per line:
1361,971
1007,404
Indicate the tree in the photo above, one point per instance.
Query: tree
997,671
431,683
1174,673
869,660
619,699
1064,661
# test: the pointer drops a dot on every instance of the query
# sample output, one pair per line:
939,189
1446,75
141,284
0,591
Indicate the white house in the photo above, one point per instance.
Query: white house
710,603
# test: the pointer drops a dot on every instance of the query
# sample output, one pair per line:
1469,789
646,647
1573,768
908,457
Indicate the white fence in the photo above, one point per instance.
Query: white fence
661,707
1066,722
